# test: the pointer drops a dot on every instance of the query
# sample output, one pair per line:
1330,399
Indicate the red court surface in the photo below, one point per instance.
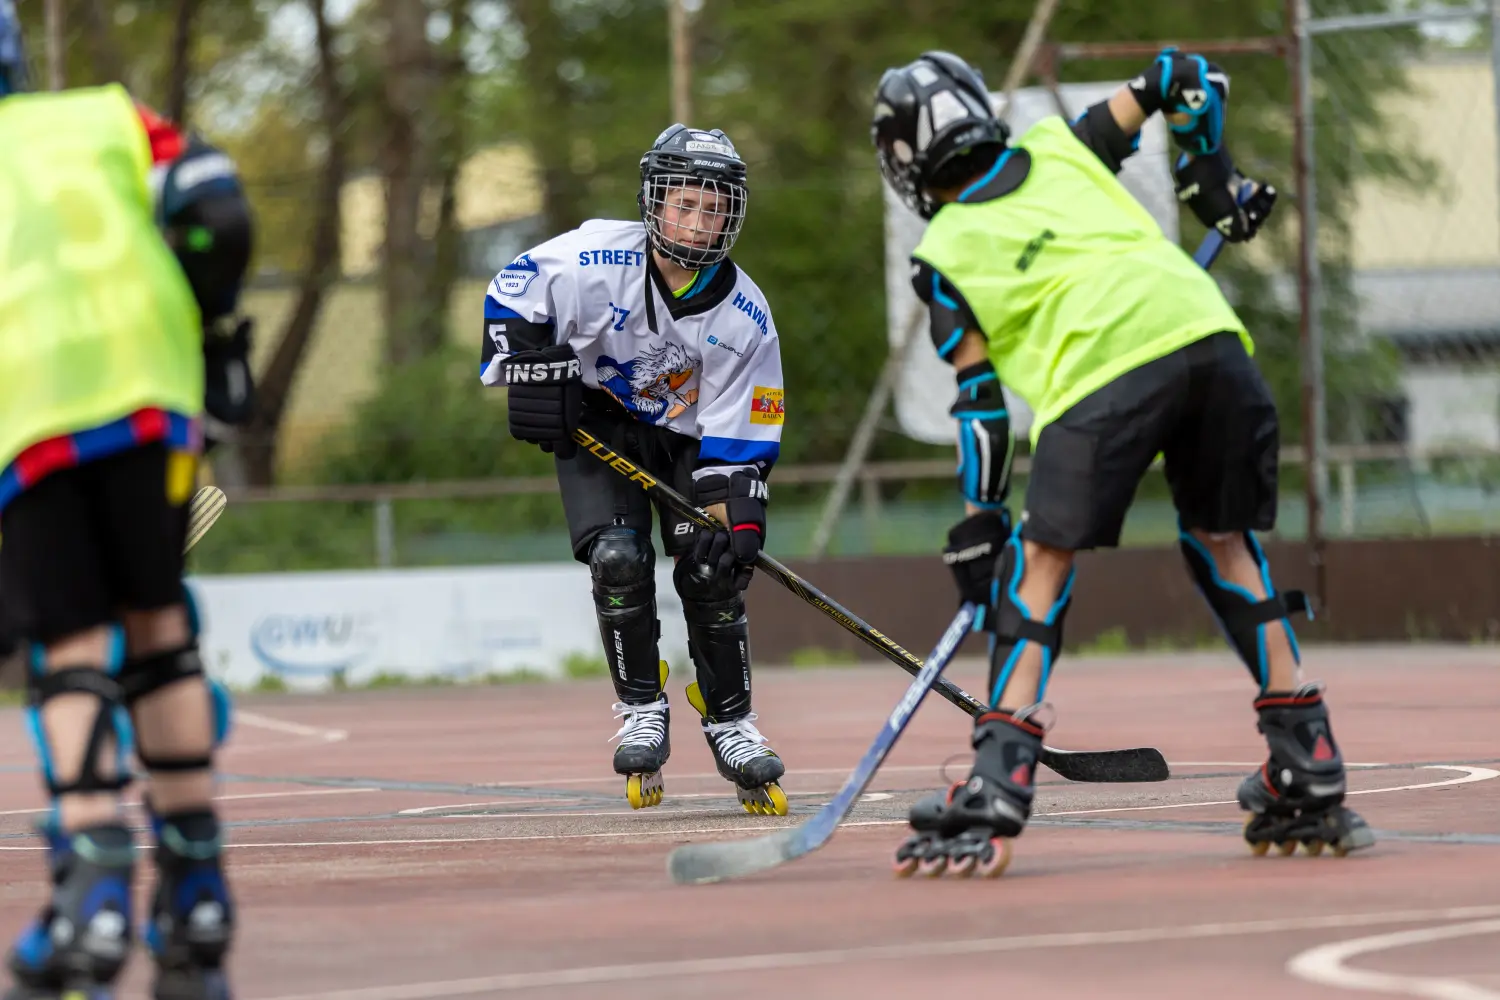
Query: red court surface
399,845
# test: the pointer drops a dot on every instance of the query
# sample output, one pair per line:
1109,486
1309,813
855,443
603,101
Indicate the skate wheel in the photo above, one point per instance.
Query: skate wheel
1286,847
1259,847
768,800
932,867
644,790
996,860
1340,851
964,866
905,867
1312,848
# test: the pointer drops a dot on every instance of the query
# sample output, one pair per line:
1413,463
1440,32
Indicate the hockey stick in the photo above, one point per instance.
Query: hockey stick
206,506
1136,764
713,862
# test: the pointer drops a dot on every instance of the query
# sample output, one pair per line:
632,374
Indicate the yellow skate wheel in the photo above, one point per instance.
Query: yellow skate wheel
644,790
768,800
1312,848
1339,851
905,867
1286,847
994,866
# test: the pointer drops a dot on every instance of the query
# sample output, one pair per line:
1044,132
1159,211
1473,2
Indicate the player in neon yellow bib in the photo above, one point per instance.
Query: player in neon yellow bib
122,248
1043,273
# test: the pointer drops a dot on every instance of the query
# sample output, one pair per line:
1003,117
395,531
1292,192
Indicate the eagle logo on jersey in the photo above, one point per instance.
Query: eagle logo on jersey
650,386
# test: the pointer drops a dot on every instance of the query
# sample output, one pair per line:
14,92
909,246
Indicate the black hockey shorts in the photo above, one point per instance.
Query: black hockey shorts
595,496
87,542
1204,408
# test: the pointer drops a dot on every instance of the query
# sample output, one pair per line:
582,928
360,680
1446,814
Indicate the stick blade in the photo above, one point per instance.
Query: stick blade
1108,766
203,510
698,864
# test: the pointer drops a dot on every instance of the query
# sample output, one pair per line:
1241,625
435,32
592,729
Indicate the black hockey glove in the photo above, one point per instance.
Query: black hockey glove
733,548
229,385
985,444
974,547
1217,194
1181,84
545,397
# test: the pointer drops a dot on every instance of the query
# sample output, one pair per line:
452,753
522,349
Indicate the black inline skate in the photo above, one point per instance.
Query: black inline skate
76,948
192,915
968,829
645,745
1297,795
742,756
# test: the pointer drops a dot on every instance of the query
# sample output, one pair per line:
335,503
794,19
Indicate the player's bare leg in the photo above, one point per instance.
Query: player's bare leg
180,719
82,938
1297,795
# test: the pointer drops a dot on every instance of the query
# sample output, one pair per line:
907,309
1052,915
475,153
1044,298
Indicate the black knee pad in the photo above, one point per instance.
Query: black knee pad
623,566
146,675
718,638
1240,614
110,723
1014,626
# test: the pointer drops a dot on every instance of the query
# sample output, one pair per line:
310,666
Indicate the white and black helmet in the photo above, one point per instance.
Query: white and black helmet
927,113
686,158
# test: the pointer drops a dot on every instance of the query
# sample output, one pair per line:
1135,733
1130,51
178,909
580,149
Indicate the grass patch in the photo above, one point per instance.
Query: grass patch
579,666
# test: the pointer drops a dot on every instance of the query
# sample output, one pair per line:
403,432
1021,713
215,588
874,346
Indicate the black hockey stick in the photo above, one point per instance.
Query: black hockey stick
1095,766
714,862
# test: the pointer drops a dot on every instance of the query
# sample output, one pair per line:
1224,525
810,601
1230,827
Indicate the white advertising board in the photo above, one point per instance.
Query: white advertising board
305,628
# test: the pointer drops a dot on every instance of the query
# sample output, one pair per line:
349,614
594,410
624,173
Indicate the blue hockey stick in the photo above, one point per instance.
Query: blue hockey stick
714,862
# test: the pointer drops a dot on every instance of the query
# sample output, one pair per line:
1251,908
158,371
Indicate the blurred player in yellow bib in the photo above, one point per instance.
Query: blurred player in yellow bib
123,244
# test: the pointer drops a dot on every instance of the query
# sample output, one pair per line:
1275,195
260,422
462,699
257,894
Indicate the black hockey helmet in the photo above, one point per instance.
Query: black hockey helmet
927,113
686,158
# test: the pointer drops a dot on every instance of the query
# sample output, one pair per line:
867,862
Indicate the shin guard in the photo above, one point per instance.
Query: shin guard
623,566
1241,615
1015,627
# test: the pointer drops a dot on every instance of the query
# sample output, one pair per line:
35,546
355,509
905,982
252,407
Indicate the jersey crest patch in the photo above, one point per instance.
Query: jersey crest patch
517,275
650,386
767,406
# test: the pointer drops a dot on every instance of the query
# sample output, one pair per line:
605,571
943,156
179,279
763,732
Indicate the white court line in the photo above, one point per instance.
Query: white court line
427,810
1474,774
901,949
230,798
1325,964
293,728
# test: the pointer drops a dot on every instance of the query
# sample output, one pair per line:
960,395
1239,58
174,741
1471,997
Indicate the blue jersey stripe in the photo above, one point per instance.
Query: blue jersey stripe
719,449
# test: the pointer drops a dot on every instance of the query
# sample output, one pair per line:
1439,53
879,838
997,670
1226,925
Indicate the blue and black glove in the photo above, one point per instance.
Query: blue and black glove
1187,85
1221,197
985,444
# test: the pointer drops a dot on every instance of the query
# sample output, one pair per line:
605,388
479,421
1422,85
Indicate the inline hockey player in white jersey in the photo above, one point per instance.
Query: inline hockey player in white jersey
647,336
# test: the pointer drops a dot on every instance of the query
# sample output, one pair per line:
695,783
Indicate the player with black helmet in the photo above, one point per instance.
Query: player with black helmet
647,336
1042,272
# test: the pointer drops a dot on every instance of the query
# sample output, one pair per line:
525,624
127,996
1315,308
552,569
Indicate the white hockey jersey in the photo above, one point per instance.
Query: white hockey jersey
706,365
